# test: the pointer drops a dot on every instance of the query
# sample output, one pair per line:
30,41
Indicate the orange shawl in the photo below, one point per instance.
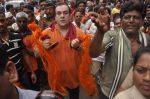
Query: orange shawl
31,40
67,67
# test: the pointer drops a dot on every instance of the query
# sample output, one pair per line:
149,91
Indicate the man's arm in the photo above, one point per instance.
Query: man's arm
97,46
29,65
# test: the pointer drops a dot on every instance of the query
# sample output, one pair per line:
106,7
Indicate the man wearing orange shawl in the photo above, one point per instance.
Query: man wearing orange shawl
65,56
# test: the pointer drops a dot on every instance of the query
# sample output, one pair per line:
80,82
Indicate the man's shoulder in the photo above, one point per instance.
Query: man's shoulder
147,38
27,94
113,32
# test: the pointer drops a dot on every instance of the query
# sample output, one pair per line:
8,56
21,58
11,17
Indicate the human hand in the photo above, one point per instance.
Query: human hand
75,43
101,26
46,42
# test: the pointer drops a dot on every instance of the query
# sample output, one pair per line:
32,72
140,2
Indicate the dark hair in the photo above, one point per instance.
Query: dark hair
3,58
50,3
9,6
77,10
81,1
131,6
63,3
139,53
29,6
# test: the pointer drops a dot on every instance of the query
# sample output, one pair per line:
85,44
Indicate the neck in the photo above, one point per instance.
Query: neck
78,24
132,36
63,29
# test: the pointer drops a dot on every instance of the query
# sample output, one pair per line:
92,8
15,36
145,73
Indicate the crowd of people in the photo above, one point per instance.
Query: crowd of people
75,49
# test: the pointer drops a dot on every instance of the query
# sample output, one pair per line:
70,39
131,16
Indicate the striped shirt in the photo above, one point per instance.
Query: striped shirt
14,47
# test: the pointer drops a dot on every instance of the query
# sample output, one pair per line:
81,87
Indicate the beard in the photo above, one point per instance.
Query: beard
48,17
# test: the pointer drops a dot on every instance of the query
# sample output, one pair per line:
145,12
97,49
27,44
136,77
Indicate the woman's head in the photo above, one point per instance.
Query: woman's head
141,71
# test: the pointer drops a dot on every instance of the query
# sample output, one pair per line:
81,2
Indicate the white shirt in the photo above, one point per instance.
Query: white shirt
27,94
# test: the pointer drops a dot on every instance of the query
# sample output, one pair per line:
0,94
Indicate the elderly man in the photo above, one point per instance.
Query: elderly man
17,52
120,46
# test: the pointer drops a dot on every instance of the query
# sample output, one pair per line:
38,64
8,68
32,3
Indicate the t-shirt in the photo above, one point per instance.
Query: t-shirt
13,47
27,94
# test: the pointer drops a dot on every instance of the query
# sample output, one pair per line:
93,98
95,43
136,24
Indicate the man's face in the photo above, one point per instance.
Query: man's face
78,17
10,20
131,22
62,15
3,25
89,4
30,14
141,74
50,12
117,23
42,4
81,7
22,23
12,10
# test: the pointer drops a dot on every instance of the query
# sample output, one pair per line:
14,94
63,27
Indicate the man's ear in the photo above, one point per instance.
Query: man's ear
12,72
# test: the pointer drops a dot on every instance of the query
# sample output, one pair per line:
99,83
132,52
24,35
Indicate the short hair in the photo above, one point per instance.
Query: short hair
29,6
3,58
77,10
9,6
139,53
21,15
50,3
131,6
63,3
81,1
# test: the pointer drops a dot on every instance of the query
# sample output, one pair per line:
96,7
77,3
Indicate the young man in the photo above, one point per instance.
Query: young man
8,75
77,21
47,15
66,57
120,46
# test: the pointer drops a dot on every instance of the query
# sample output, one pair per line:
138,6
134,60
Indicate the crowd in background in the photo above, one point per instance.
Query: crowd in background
80,49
